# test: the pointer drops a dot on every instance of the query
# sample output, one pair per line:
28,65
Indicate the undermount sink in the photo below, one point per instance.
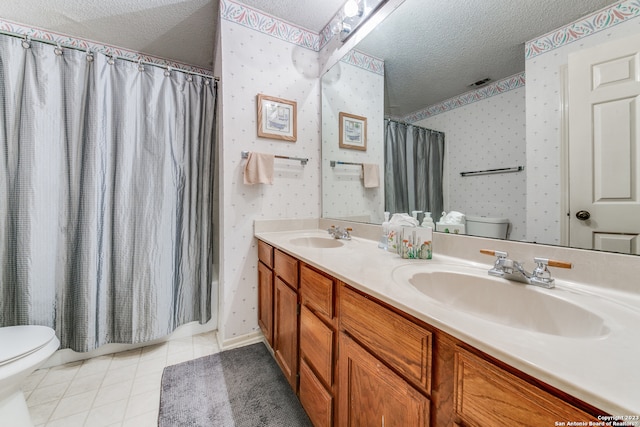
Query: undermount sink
317,242
507,303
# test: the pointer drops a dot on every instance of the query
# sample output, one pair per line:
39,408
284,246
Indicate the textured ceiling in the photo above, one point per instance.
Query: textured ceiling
432,49
433,53
182,30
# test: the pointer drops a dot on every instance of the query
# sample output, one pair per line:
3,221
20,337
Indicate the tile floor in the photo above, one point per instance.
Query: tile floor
120,389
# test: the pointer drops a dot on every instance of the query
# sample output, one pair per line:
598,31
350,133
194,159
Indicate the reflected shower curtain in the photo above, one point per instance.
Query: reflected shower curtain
414,161
106,178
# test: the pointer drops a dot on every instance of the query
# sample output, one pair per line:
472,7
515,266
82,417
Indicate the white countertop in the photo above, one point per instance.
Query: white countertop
603,371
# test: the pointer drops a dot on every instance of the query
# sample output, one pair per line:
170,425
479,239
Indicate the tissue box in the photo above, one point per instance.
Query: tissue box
450,228
415,243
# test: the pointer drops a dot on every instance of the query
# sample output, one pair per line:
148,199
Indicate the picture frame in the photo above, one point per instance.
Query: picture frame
277,118
353,131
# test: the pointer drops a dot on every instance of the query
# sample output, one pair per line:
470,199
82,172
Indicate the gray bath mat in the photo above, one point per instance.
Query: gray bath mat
243,387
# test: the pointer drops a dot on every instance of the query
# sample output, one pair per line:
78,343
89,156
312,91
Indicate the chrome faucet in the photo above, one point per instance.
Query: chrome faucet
513,270
340,233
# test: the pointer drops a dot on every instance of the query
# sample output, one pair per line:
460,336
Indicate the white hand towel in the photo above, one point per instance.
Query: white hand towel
370,175
259,169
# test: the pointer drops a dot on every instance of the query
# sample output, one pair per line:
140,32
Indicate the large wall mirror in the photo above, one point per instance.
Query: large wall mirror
425,65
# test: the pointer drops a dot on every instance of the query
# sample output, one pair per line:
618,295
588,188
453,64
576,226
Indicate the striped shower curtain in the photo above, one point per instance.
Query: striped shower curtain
106,180
414,168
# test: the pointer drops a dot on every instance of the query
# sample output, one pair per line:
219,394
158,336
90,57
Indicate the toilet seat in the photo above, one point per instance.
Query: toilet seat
19,341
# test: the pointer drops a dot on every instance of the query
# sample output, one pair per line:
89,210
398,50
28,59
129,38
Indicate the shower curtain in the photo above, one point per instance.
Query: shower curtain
106,180
414,161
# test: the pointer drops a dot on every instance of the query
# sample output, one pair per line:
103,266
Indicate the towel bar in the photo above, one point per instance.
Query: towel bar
333,163
491,171
303,161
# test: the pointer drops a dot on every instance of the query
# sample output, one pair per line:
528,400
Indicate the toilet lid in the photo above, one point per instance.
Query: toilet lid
18,341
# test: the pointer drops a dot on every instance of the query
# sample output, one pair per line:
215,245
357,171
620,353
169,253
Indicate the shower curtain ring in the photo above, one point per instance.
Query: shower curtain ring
58,49
140,66
89,55
167,72
26,43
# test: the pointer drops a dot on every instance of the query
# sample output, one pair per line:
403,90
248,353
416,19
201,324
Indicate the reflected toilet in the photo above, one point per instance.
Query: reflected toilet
483,226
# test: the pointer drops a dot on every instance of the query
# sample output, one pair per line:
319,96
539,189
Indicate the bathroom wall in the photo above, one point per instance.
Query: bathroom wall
256,62
485,134
544,58
355,90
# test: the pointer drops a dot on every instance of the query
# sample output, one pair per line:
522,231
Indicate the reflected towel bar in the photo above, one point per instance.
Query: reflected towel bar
333,163
303,161
492,171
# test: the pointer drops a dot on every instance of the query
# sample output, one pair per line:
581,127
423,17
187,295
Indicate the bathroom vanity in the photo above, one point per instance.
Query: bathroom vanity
360,346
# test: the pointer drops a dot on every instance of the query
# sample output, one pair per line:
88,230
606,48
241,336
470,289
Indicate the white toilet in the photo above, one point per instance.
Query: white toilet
483,226
22,350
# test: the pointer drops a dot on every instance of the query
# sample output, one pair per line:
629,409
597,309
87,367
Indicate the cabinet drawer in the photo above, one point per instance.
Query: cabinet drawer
286,267
317,402
316,344
317,291
265,253
488,396
401,343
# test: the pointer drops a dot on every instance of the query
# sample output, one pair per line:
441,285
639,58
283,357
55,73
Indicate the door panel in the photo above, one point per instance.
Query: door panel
604,157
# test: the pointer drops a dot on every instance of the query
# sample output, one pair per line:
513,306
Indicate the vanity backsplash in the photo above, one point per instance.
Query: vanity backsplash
615,272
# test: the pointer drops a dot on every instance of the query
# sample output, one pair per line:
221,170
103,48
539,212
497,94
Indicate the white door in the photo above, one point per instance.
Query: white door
604,156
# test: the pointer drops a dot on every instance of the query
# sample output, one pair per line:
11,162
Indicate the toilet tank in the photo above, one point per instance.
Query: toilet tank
485,226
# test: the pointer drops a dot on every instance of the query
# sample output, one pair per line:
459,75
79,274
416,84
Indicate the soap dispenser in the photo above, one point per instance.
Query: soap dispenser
384,239
427,221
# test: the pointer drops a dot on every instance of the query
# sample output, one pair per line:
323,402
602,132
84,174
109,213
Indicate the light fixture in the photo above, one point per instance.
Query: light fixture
351,8
353,14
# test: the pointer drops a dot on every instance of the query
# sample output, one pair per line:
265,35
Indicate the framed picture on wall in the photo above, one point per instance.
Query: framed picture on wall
353,131
277,118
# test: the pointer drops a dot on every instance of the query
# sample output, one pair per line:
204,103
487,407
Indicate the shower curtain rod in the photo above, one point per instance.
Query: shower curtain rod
410,124
67,46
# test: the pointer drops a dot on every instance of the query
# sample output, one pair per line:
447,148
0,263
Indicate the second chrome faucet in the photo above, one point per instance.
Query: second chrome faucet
340,233
513,270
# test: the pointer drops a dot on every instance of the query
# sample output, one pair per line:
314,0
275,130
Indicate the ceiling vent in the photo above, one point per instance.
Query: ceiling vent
479,83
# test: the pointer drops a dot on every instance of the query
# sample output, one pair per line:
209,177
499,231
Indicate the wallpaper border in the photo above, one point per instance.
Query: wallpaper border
364,61
584,27
498,87
267,24
109,50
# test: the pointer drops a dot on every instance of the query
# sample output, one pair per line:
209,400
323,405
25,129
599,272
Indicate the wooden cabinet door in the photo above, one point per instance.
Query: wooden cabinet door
285,330
265,301
488,396
315,399
373,395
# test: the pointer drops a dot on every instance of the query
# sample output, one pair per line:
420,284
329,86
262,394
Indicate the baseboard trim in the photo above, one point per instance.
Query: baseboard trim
240,341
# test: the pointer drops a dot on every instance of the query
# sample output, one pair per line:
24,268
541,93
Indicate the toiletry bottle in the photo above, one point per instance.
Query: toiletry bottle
384,239
425,250
428,221
394,241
